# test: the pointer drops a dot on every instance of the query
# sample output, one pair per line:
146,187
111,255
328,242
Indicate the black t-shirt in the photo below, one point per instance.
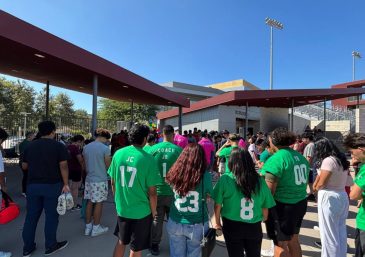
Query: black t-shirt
43,157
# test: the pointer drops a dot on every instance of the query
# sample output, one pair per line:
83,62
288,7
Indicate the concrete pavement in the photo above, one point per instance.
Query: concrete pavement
71,228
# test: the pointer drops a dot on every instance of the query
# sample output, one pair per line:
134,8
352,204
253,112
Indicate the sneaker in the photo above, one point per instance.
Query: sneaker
267,252
99,230
61,206
28,253
5,254
88,229
318,244
69,201
155,249
311,198
76,208
57,247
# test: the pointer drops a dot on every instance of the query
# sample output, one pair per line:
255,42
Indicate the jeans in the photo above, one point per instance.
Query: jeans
185,239
163,208
39,197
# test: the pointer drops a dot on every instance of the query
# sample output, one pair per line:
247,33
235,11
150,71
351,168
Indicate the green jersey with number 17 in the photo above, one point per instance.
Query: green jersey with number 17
165,154
133,172
291,169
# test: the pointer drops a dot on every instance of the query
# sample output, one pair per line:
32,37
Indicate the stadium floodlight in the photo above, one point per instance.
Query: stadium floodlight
355,55
278,25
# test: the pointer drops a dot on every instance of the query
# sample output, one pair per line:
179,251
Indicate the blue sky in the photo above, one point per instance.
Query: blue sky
204,42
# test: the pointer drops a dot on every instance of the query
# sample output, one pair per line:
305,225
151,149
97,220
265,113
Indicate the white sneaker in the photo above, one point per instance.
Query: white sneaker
267,252
5,254
69,201
88,229
61,206
99,230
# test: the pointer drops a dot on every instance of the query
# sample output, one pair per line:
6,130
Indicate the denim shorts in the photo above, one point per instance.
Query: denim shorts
185,239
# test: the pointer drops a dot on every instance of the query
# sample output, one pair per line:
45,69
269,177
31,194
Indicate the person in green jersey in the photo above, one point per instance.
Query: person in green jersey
355,143
191,184
225,151
151,141
134,176
286,174
165,154
242,198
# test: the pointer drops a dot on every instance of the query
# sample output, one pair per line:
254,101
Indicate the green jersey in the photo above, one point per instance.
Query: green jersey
226,153
360,182
133,172
235,206
165,154
188,209
147,147
291,169
264,156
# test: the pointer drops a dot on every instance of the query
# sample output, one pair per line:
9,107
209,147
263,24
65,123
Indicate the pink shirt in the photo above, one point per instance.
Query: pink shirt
208,147
180,140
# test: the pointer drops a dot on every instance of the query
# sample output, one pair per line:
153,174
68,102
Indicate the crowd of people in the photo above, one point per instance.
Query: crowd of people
268,178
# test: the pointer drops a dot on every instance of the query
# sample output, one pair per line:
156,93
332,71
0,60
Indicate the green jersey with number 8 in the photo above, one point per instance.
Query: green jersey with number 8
235,206
291,169
133,172
188,209
165,154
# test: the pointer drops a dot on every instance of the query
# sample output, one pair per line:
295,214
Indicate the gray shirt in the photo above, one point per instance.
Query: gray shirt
94,155
309,150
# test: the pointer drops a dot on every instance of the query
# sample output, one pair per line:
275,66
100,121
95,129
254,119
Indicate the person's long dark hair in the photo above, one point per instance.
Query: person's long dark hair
188,170
242,166
323,148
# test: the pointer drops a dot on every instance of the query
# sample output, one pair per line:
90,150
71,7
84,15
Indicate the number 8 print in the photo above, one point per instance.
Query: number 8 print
246,209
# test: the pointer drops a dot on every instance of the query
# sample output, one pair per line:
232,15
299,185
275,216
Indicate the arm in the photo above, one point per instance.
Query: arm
112,183
2,181
217,215
265,213
64,174
107,161
227,143
152,193
323,179
356,193
81,161
271,182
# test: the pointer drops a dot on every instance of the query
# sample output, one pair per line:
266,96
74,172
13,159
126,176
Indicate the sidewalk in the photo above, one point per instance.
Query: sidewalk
71,228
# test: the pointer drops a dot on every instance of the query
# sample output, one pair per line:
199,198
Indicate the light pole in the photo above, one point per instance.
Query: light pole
273,24
25,122
354,55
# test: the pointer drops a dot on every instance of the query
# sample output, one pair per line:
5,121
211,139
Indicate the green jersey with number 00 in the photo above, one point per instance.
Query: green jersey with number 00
165,154
188,209
360,182
133,172
291,169
235,206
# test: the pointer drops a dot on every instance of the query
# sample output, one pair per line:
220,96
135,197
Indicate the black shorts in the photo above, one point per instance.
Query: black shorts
75,175
311,176
285,220
136,232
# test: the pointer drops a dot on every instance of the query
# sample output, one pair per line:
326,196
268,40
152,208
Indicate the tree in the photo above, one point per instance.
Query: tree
121,111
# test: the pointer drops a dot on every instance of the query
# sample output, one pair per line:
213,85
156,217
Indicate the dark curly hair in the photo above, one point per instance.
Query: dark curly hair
242,166
138,133
355,140
3,134
281,137
45,128
100,132
188,169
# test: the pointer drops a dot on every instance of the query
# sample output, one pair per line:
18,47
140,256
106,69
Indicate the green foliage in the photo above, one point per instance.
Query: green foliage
121,111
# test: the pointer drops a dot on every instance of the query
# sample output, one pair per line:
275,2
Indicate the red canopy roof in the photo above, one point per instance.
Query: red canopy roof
268,98
71,67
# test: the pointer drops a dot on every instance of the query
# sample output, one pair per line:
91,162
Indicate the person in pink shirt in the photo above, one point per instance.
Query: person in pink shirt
208,148
180,140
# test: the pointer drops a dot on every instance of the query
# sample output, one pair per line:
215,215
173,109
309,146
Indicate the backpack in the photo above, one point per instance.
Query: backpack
9,209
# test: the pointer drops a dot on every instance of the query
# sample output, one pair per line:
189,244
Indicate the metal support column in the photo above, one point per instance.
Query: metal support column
47,101
271,58
180,120
292,116
246,121
95,105
324,116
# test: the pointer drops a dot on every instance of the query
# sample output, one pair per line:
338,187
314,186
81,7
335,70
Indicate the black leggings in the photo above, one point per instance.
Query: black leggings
242,238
